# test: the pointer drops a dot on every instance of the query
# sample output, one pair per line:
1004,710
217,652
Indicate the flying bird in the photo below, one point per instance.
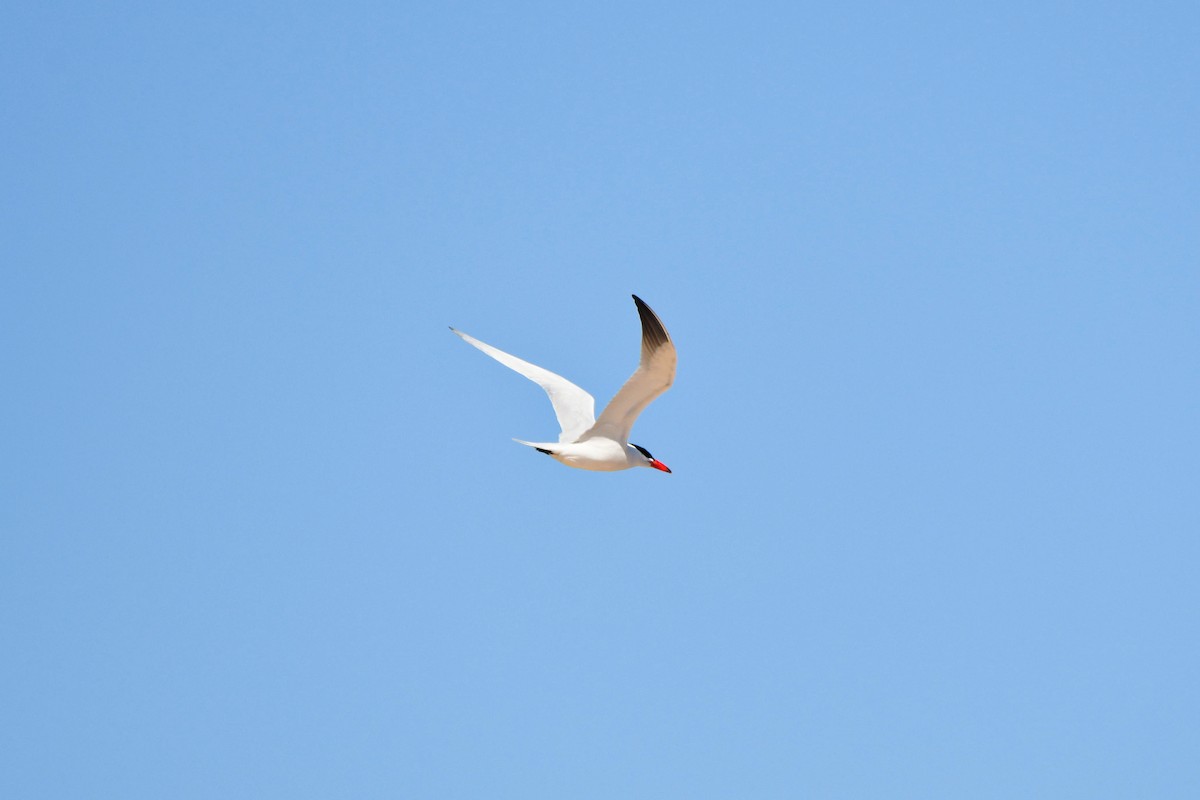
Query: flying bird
601,444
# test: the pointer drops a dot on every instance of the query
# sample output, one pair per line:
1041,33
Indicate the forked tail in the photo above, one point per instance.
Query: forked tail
549,448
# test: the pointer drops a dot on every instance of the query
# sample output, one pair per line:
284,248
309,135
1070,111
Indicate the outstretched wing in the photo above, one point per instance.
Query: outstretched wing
574,407
654,375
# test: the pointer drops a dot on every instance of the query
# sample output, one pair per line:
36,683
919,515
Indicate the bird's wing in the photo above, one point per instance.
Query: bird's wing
574,407
654,375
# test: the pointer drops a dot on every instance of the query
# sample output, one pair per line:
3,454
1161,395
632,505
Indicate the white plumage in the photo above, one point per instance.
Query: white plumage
601,444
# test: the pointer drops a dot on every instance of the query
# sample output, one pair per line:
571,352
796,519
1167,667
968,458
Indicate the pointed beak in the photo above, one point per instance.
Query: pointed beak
654,462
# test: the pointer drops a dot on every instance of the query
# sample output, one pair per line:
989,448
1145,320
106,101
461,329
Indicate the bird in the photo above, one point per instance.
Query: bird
600,445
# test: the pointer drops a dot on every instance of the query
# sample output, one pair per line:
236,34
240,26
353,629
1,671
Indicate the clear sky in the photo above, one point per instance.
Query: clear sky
933,272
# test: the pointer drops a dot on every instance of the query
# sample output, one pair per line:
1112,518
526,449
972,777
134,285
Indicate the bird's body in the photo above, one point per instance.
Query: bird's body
599,455
601,445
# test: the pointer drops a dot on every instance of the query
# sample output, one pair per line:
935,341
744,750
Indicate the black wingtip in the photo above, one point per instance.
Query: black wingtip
654,335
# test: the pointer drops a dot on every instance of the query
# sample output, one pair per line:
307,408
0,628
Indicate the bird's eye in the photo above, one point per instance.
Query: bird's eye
643,451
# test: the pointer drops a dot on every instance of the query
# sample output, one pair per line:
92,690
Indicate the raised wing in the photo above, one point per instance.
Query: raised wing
654,375
574,407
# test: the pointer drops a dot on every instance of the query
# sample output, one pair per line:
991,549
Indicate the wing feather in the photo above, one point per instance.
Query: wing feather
574,408
654,375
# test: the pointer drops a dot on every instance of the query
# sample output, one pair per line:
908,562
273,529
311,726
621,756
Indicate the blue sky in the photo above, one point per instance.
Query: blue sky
932,272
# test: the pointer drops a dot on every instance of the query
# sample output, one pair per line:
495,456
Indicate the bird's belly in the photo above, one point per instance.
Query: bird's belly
594,455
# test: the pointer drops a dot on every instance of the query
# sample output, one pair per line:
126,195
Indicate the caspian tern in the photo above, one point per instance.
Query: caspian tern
601,444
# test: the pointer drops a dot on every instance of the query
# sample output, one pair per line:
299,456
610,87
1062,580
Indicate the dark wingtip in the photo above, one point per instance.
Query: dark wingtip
654,335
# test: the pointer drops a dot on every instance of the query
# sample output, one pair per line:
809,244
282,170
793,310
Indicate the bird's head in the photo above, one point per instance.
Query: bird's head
648,460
